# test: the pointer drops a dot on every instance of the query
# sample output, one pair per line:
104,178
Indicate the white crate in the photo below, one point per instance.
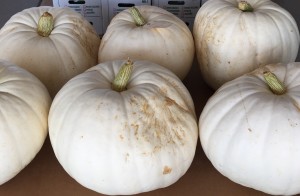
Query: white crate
92,10
184,9
114,7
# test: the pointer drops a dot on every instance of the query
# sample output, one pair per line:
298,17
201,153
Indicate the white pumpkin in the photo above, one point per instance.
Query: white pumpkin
152,34
25,104
231,40
251,134
121,142
56,48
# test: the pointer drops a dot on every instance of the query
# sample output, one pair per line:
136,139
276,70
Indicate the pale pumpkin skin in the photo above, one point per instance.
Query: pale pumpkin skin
71,48
251,135
230,43
25,104
121,143
164,39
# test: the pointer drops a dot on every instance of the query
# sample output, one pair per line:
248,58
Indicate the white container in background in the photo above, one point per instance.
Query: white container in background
184,9
95,11
114,7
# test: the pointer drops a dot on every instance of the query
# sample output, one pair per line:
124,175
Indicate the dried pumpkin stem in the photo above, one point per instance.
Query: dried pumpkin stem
45,24
276,86
137,16
120,82
245,6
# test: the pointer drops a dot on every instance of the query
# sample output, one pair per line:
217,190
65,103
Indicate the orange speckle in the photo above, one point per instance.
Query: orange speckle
167,170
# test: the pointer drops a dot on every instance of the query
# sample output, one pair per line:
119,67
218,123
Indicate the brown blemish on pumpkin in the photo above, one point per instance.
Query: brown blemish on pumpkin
178,135
157,134
133,101
169,101
167,170
121,136
163,90
156,123
126,157
292,123
296,105
85,41
206,40
156,149
136,130
145,107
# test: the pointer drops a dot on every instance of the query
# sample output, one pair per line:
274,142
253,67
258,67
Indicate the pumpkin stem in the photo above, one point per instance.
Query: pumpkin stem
45,24
276,86
120,82
137,16
245,6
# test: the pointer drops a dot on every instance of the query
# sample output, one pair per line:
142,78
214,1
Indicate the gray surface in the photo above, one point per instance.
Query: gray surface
10,7
293,7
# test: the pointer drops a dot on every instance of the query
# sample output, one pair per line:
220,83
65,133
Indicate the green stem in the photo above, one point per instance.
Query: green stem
276,86
245,6
137,16
120,82
45,24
